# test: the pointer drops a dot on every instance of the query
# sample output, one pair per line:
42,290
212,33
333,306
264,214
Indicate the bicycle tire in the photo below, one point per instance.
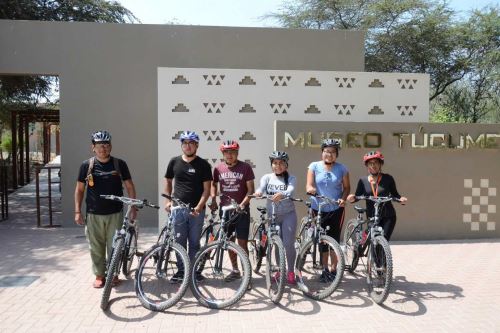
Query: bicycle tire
275,269
302,236
207,291
351,245
380,278
113,267
156,290
255,252
129,252
309,277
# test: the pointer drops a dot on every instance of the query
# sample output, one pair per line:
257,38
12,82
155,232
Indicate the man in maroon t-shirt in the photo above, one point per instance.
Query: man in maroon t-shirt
235,179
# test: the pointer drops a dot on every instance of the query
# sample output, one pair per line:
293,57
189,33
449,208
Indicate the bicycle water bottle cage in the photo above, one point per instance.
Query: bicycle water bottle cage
359,209
262,209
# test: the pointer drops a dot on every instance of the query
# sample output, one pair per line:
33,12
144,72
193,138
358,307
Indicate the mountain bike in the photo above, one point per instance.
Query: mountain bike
124,246
317,254
266,242
159,282
213,282
371,244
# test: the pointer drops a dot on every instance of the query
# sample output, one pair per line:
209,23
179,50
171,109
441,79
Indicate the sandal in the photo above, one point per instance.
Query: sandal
234,275
99,282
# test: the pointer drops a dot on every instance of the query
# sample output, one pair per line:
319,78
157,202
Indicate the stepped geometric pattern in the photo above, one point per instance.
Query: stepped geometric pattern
479,204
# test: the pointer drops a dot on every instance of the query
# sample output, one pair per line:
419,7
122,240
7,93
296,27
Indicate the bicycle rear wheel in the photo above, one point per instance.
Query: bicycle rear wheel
379,270
130,251
211,282
112,270
317,282
256,251
275,269
155,284
351,245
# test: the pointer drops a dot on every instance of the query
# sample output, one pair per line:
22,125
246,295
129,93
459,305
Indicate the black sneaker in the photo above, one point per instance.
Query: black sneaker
199,277
333,275
325,276
177,278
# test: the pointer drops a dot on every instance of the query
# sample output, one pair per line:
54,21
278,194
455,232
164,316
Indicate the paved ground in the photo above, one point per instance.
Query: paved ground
438,287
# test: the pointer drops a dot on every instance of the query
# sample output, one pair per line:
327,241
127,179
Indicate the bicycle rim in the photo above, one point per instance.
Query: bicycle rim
154,285
213,264
112,270
130,251
316,281
350,245
379,270
275,269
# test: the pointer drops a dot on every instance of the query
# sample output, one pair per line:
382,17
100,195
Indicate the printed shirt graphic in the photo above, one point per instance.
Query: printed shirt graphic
233,180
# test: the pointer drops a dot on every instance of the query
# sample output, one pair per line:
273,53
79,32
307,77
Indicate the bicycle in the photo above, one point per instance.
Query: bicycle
314,277
124,246
155,284
371,244
210,281
267,243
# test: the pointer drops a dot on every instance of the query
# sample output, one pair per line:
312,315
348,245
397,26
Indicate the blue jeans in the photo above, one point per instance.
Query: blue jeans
188,228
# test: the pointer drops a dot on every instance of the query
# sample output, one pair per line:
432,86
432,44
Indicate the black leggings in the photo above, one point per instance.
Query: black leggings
388,224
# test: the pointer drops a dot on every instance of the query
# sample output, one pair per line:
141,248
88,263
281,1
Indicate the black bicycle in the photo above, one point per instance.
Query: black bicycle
124,245
163,274
266,242
370,243
214,282
319,264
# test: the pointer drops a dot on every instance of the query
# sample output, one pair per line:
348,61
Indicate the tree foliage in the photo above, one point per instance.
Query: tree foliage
419,36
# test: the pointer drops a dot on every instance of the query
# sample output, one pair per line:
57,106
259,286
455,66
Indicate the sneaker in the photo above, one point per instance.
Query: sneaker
291,278
276,276
199,277
325,276
116,281
99,282
333,275
234,275
177,278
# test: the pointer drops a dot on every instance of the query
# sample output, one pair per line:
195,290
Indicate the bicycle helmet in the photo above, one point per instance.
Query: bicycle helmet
374,154
229,145
279,155
331,143
189,135
101,137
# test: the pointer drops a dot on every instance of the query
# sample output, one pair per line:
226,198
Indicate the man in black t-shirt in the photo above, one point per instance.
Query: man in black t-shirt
188,179
103,216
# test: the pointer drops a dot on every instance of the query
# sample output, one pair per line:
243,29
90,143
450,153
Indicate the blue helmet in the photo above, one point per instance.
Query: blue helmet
101,137
189,135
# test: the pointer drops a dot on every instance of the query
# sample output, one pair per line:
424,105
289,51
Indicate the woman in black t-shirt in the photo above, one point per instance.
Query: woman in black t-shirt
378,184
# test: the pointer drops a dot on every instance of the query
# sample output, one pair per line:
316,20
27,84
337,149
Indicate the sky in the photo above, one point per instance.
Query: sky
242,13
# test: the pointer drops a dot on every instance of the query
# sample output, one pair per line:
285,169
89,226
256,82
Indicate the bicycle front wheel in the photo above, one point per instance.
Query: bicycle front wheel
351,245
214,282
256,251
379,270
275,269
162,276
130,251
319,267
112,270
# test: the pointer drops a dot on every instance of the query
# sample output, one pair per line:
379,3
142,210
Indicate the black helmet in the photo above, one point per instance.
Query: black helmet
101,137
279,155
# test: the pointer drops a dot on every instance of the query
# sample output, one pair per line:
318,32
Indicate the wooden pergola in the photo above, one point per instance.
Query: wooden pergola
20,120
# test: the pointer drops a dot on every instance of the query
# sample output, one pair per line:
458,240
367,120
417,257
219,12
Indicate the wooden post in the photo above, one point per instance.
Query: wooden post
13,124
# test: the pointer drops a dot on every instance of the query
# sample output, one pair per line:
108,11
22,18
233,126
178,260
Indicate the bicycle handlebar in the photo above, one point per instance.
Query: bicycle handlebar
324,198
177,201
129,201
377,199
269,197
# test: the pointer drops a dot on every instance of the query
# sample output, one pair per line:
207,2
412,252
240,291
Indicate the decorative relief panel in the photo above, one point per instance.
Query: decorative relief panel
247,81
180,79
214,107
376,110
313,82
344,110
345,82
376,84
247,108
180,108
407,83
312,109
214,135
280,107
280,80
214,79
247,136
407,110
480,204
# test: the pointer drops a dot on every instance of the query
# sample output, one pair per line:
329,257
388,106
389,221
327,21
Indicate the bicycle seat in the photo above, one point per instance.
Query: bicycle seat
359,209
262,209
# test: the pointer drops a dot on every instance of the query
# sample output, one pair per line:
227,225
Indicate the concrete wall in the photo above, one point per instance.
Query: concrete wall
108,77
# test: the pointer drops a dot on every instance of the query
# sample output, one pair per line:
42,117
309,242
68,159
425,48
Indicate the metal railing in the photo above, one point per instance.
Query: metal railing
49,169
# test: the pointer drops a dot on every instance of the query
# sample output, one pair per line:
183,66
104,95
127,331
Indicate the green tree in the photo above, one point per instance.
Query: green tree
417,36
